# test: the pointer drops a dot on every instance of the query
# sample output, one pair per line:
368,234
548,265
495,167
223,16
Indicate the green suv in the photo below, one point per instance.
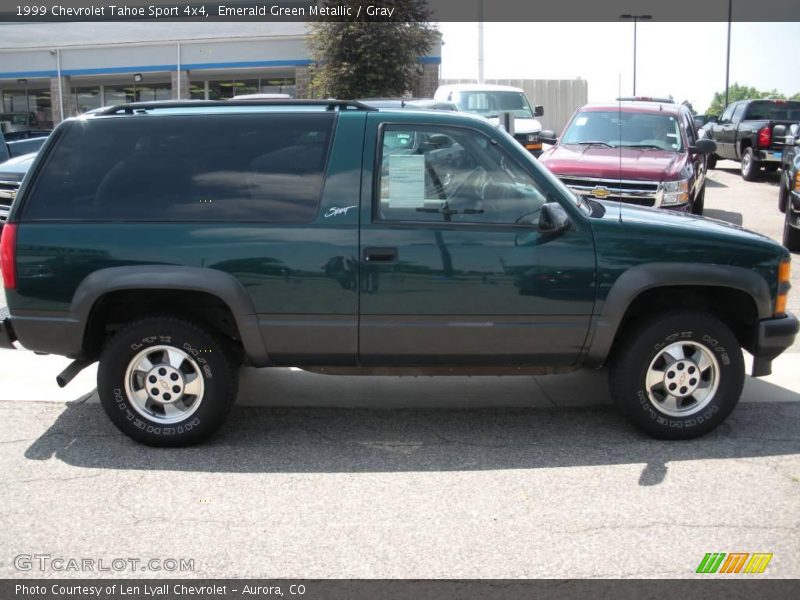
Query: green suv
174,242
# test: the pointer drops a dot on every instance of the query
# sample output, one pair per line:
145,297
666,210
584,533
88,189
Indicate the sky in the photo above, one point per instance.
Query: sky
686,60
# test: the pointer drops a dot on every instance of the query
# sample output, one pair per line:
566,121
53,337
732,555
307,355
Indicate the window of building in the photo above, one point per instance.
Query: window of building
231,167
230,88
140,92
452,175
86,98
32,105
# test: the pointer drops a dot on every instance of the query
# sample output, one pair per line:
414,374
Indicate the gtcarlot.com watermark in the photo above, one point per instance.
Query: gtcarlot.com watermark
48,562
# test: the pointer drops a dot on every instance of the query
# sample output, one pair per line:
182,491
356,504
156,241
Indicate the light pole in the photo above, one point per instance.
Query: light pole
635,19
728,53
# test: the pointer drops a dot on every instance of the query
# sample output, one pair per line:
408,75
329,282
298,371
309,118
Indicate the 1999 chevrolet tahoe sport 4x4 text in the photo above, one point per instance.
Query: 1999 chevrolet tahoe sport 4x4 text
174,242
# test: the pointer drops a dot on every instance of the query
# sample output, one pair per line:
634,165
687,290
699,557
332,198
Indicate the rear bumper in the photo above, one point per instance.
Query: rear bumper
774,336
770,156
7,337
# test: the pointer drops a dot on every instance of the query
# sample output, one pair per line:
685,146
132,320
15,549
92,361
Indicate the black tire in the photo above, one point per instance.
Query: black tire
712,162
642,347
751,170
783,193
791,235
207,359
699,201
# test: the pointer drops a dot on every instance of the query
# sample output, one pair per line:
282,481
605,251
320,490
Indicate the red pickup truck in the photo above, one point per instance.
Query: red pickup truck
645,153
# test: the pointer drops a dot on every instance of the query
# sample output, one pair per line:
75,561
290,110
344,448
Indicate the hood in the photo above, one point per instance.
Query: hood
15,168
521,125
688,223
611,163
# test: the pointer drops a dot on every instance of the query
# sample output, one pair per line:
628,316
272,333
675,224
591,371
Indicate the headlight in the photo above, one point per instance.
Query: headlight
674,192
797,180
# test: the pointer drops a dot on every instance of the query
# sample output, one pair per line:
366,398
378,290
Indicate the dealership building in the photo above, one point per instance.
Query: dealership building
57,70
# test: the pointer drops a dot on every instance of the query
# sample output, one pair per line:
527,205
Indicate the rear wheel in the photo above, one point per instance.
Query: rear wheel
164,381
750,167
678,375
791,235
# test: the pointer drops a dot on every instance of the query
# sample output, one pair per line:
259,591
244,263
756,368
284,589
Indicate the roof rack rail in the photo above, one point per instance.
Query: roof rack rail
130,107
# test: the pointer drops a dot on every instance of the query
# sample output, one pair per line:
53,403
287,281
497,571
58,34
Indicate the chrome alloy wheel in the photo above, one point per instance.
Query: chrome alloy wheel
164,384
682,379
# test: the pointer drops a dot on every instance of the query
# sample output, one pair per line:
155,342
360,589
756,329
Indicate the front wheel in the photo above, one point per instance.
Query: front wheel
699,201
678,375
164,381
783,193
791,235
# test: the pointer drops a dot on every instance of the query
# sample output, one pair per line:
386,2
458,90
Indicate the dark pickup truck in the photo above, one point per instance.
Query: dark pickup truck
746,132
17,143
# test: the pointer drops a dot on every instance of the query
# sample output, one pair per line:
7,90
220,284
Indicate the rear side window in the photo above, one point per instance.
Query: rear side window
255,167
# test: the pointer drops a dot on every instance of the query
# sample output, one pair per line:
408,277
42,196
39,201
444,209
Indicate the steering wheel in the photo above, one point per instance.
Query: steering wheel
470,192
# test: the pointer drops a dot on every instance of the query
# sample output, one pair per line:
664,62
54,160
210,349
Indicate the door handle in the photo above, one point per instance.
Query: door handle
382,255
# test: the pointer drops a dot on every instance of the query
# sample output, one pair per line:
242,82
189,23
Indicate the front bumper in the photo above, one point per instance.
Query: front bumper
774,336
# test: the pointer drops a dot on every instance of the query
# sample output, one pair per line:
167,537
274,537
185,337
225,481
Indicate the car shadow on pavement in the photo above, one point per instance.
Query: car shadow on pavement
362,440
724,215
713,183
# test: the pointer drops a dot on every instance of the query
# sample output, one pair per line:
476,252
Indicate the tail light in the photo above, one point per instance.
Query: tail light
764,137
8,262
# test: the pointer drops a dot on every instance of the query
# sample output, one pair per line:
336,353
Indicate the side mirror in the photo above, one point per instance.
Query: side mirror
538,110
704,146
553,219
548,137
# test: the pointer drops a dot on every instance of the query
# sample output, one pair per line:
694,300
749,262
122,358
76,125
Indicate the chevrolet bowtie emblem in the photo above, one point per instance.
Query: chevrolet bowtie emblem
600,192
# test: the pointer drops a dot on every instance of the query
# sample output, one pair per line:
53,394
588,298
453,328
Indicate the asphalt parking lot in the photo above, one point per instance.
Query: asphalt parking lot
344,477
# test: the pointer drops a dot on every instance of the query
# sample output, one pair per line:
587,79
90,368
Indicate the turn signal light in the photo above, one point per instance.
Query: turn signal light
784,268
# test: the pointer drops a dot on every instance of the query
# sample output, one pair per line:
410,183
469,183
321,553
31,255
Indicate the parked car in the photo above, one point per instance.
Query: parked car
489,101
176,242
789,189
11,174
745,133
645,153
701,121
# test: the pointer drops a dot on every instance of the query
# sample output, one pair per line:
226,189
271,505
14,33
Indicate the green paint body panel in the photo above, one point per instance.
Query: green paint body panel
458,294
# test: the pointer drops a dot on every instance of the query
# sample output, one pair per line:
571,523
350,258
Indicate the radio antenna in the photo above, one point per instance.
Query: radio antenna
619,143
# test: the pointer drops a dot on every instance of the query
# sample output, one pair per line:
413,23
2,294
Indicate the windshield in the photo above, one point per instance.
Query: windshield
491,104
627,129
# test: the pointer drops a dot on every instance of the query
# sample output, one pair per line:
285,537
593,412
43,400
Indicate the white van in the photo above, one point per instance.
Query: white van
490,100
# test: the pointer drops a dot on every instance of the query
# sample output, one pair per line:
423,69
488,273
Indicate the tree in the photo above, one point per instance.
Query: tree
739,92
370,57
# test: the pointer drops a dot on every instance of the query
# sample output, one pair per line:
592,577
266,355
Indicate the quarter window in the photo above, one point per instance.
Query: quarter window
452,175
235,167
